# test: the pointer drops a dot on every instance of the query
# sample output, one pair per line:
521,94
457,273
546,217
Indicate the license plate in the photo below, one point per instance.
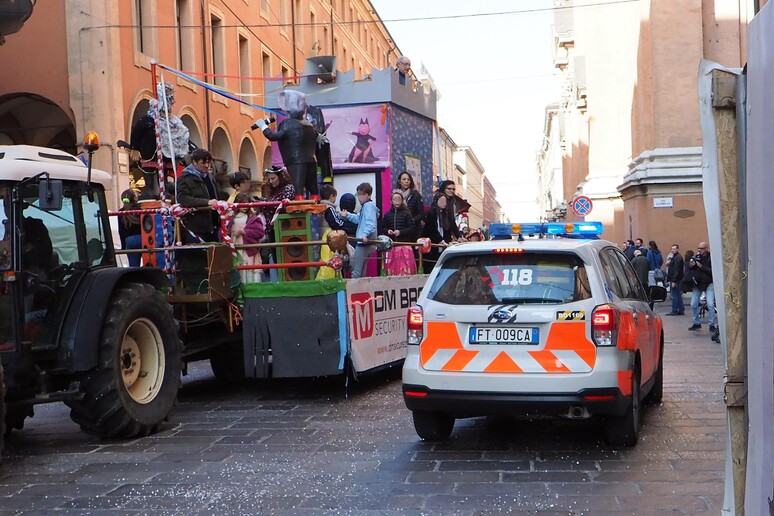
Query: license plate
504,336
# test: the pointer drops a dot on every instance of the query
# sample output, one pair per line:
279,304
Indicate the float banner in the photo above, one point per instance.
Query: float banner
285,337
377,309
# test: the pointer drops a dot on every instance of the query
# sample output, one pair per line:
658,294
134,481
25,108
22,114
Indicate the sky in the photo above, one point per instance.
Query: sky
495,75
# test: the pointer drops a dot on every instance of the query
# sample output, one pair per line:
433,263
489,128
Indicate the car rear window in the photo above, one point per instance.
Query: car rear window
523,278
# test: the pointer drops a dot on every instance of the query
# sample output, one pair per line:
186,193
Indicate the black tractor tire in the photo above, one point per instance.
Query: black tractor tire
228,363
625,430
137,380
433,426
16,415
656,392
2,411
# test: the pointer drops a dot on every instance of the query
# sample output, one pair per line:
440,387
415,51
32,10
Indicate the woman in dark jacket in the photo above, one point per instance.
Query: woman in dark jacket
412,197
440,228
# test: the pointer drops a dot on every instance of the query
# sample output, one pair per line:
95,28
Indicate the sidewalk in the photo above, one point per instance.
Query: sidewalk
686,433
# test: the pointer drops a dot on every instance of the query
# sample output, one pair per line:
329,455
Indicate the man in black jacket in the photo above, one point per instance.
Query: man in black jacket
701,265
675,272
196,189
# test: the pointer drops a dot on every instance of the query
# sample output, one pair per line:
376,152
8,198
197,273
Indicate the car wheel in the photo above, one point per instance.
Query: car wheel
657,390
433,426
625,430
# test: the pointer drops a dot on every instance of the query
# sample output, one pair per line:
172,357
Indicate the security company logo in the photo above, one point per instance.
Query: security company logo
362,314
571,315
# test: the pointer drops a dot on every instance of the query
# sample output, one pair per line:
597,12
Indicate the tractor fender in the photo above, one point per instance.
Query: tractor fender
80,334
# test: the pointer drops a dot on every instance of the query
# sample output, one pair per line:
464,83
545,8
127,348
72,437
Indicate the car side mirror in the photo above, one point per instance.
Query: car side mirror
50,195
657,293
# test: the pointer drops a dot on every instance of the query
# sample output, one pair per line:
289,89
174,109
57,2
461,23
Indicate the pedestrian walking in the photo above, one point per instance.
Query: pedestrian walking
701,266
675,273
655,262
641,267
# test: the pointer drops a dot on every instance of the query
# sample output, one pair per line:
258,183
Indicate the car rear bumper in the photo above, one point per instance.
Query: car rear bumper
607,401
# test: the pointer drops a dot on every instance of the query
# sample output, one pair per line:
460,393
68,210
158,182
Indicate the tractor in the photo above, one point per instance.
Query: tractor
75,327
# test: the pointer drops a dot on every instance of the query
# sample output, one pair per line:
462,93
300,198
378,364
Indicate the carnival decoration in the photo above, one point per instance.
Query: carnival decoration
424,245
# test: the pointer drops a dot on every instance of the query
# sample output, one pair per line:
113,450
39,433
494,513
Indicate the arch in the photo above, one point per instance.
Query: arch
26,118
267,157
248,161
222,153
194,135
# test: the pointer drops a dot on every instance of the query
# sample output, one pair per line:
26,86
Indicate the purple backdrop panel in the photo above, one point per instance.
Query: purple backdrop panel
359,136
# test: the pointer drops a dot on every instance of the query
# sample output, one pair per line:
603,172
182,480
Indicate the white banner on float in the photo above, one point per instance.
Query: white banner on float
376,310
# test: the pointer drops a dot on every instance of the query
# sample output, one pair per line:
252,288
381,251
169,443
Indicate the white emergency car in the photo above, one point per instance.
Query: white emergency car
549,325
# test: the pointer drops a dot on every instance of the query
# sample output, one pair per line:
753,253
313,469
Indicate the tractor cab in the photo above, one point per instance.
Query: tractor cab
54,229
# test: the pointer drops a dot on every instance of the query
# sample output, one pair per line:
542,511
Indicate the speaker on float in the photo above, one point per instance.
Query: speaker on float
320,69
148,230
293,227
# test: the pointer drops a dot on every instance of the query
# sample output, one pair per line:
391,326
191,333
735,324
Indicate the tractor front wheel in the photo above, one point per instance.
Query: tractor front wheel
136,383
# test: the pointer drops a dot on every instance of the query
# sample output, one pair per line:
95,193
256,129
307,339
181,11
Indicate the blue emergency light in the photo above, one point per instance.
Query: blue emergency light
588,230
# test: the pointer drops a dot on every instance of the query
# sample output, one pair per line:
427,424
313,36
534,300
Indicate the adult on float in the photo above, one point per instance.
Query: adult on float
440,228
297,139
278,187
412,197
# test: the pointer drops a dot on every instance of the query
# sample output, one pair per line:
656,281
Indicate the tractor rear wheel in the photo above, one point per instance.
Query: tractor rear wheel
137,380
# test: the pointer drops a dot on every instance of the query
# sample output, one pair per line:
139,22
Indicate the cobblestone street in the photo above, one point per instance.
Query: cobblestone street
304,447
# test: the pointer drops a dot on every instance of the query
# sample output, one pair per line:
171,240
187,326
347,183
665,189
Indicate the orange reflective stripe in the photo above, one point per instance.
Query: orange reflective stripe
549,362
503,364
440,335
459,360
572,336
627,332
625,382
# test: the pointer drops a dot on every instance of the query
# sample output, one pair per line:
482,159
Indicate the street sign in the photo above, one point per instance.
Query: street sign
581,206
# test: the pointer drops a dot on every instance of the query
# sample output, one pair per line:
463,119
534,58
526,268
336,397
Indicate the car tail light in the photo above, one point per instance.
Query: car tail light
415,324
605,320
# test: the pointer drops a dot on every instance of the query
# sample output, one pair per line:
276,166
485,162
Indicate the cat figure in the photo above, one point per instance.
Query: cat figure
362,151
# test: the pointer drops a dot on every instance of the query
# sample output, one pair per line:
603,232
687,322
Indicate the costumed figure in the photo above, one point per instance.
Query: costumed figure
143,139
323,150
278,188
297,139
362,152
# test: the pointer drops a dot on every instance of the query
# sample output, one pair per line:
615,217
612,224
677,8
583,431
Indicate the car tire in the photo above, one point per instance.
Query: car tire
132,390
657,390
433,426
625,430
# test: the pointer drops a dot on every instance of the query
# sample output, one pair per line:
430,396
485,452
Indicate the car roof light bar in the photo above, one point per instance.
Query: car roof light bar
577,229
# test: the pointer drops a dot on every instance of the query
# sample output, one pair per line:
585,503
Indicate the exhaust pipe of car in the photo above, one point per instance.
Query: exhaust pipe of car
577,412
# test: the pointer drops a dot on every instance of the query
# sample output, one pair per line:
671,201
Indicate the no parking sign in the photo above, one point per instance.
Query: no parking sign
581,206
